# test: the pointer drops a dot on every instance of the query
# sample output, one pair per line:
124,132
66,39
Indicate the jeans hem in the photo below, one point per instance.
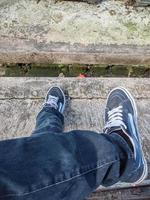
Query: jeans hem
53,111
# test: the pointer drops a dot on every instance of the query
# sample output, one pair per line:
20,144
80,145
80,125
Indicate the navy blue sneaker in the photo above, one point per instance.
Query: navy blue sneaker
121,118
55,98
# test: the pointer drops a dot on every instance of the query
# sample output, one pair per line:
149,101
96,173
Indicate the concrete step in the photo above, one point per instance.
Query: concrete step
143,2
74,32
22,98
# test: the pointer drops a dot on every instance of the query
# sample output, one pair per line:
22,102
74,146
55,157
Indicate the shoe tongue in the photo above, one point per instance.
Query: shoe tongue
54,98
52,101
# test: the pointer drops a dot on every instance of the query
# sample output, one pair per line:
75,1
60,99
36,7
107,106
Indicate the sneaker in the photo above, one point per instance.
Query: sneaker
121,118
55,98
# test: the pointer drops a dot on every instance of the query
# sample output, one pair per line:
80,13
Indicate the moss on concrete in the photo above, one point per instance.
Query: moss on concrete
131,26
52,70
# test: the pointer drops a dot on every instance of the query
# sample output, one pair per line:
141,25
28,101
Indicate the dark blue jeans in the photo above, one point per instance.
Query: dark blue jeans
52,165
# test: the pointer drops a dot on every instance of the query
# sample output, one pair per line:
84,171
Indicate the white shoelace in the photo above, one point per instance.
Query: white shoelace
115,118
52,101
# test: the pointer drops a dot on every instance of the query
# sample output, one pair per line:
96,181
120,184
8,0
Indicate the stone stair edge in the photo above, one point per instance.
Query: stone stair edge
25,87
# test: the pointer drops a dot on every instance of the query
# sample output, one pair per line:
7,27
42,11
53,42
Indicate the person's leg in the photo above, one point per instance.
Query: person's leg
121,119
64,166
118,153
59,166
50,118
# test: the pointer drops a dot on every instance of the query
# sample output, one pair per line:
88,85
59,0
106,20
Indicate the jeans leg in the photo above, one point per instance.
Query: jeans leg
49,120
109,155
102,160
61,166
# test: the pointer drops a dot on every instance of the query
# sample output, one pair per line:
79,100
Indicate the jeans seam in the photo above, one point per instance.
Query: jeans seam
48,186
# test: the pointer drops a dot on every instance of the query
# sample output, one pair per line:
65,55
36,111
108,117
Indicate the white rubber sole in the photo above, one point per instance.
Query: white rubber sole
145,170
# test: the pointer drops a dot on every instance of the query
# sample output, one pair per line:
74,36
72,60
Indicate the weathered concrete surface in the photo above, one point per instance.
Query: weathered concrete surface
90,88
108,23
136,193
14,50
73,32
143,2
21,99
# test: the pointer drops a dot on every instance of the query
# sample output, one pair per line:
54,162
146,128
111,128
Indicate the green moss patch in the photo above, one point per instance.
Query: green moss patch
75,70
